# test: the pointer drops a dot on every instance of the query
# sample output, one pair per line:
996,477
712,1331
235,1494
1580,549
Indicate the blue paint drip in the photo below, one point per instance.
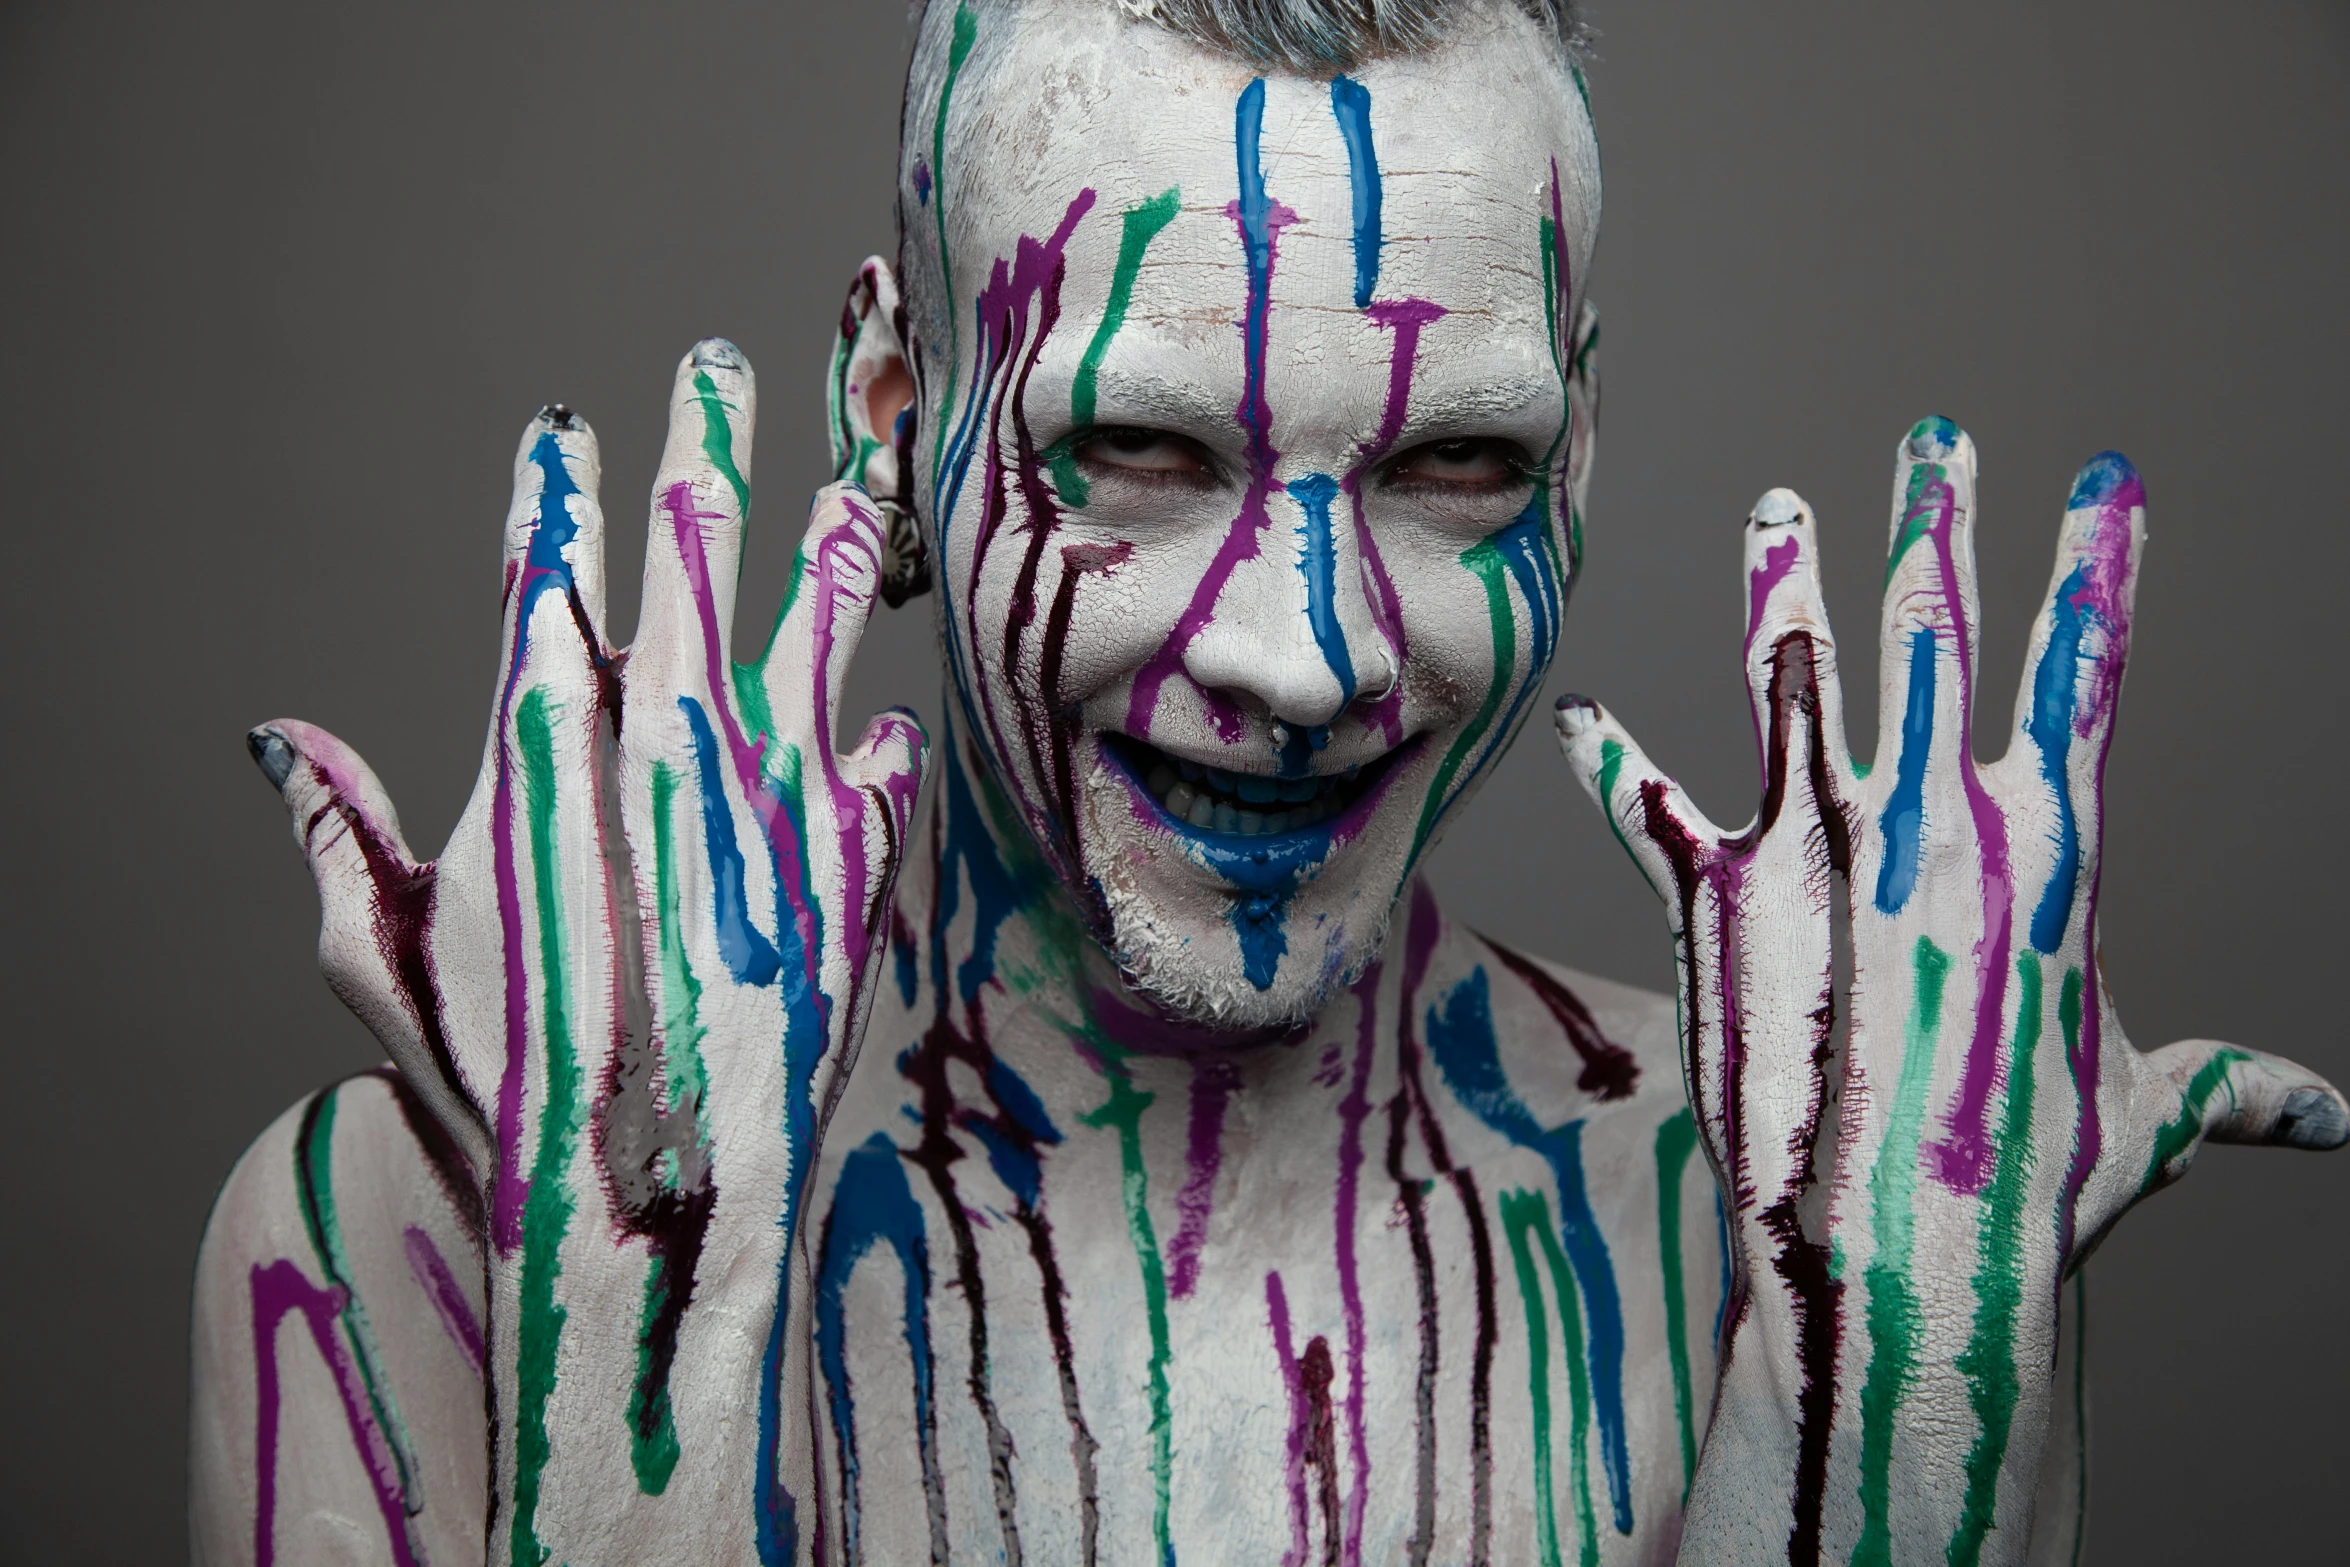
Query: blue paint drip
1350,100
996,894
1318,564
871,1203
1461,1038
749,956
2055,686
1525,548
1256,244
544,569
1904,819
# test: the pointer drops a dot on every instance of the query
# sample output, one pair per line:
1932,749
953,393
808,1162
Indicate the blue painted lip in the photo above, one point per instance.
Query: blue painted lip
1247,858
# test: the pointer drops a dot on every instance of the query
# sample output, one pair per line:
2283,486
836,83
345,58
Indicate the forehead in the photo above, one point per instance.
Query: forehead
1466,176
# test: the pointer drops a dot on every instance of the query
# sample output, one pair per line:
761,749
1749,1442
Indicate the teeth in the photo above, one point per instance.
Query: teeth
1216,800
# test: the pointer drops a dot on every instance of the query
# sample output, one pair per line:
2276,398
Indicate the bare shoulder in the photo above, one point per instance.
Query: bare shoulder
336,1340
1566,1033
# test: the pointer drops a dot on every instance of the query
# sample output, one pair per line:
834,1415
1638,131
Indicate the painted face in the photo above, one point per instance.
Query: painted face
1249,428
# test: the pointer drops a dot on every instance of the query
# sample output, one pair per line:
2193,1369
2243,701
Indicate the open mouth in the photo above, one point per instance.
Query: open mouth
1246,805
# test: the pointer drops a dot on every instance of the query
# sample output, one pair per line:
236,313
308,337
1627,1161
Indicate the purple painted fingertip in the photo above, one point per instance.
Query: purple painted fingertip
716,353
2313,1118
272,755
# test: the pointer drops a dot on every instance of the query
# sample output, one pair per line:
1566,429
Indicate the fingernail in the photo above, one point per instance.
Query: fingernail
1933,438
716,353
559,417
1776,509
271,753
1576,714
2313,1118
2102,478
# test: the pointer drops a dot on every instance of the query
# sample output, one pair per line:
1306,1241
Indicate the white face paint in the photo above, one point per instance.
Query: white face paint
1249,426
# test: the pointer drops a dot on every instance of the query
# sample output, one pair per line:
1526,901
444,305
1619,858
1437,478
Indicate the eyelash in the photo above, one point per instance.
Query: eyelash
1516,469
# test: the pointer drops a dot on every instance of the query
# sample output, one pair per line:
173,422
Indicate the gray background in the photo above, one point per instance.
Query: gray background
279,284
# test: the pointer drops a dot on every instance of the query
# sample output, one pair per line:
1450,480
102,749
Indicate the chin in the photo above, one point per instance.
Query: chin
1244,902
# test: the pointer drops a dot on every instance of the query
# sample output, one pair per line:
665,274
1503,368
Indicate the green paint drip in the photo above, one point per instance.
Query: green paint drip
958,50
315,1179
1988,1363
718,443
1917,518
652,1433
1141,226
2180,1134
1060,460
1675,1141
1122,1111
652,1443
1525,1218
546,1213
1893,1306
1484,559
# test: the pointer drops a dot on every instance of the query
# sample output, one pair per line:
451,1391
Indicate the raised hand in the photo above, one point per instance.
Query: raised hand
1906,1201
631,982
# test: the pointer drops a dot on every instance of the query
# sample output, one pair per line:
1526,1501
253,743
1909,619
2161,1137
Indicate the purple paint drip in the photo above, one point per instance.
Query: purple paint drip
279,1288
1277,1315
1255,418
448,1300
1405,318
1777,561
1962,1160
2112,543
1352,1111
1213,1078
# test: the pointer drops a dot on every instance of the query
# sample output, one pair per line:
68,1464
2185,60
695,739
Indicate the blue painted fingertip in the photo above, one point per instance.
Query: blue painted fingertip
2100,479
1933,438
272,755
2313,1118
716,353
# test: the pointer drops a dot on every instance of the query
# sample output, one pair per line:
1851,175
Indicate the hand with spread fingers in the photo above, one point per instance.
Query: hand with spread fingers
630,985
1912,1173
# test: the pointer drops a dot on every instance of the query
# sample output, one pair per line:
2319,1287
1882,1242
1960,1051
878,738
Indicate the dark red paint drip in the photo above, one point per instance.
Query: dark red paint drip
1609,1072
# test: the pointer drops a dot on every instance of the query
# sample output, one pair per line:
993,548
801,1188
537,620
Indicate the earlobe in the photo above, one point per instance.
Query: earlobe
871,401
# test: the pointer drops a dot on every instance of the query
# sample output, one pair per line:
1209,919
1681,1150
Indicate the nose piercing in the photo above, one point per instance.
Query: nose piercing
1387,661
1280,737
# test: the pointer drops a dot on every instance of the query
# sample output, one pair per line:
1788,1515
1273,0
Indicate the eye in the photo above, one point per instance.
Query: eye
1466,465
1151,456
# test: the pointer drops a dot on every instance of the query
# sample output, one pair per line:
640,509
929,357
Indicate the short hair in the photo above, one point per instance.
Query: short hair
1313,36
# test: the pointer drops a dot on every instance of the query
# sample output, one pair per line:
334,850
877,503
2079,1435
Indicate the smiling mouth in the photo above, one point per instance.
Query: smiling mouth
1245,805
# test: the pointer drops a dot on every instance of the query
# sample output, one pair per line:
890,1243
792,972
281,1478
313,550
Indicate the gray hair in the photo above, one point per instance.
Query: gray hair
1314,36
1311,36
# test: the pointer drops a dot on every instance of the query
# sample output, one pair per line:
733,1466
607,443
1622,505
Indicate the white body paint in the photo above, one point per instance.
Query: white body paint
1133,1236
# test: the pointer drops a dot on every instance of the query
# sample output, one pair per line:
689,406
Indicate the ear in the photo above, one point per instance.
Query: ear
871,402
1583,433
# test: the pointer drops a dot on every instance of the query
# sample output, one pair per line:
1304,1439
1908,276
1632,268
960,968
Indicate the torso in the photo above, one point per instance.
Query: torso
1405,1287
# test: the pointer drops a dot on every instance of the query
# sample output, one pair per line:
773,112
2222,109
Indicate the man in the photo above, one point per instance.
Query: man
1152,1172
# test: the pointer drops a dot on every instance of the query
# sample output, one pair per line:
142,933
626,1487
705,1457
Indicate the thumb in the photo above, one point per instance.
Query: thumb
1658,825
374,900
2227,1094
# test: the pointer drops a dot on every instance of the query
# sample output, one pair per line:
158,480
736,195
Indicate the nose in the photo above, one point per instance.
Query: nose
1295,627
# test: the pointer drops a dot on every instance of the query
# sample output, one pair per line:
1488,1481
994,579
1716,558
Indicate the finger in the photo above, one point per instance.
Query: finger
1791,677
1656,822
693,554
2221,1093
2072,681
373,899
1926,649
